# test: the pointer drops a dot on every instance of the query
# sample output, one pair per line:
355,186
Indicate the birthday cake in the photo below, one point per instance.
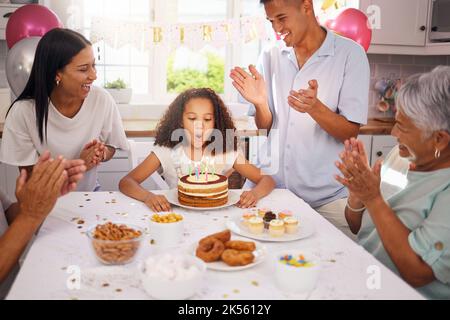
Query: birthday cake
203,190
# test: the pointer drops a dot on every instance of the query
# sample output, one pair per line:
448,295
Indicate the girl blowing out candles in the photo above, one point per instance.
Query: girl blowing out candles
200,119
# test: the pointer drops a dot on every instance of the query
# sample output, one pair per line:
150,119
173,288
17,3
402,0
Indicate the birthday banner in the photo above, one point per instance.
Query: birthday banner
195,36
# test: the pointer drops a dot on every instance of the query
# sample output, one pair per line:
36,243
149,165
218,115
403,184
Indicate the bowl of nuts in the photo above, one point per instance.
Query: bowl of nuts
115,243
167,229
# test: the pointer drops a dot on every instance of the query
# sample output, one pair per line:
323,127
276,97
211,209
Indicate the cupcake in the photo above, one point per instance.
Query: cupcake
276,228
246,216
284,214
255,225
269,216
291,225
262,212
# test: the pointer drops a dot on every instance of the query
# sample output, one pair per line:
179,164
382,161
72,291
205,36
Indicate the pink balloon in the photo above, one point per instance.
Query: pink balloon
31,20
352,23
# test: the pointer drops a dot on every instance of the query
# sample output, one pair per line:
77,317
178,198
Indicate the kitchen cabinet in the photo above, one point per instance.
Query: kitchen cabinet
377,146
381,146
8,177
403,27
110,173
5,102
402,22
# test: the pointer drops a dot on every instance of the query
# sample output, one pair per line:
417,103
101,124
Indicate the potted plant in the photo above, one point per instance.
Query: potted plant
119,91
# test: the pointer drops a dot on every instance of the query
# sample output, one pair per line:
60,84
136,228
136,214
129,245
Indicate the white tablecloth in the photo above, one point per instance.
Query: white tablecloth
47,272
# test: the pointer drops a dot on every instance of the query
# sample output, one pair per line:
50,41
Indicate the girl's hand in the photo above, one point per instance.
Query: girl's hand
251,86
362,181
248,199
157,202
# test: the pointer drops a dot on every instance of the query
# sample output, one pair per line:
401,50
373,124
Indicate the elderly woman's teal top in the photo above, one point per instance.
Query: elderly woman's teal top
422,203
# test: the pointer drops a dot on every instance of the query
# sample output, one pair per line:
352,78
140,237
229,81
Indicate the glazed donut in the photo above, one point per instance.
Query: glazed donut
236,258
240,245
223,236
210,249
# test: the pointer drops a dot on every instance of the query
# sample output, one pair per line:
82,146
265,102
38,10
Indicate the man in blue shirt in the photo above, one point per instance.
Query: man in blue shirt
311,92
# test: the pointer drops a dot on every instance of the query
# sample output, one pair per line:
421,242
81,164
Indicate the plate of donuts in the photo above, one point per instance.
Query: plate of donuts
223,253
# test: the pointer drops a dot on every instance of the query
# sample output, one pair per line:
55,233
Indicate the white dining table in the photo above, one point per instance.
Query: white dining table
61,264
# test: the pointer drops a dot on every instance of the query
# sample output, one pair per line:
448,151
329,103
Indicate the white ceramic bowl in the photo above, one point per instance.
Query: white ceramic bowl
167,234
159,282
291,279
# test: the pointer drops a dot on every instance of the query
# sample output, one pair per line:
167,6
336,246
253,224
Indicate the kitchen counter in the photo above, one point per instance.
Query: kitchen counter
245,127
379,126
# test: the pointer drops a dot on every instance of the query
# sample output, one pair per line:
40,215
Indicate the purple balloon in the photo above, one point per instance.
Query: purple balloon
31,20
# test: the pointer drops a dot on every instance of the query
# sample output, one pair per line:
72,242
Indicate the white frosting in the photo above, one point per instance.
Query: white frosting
290,220
203,185
206,195
202,178
255,220
276,223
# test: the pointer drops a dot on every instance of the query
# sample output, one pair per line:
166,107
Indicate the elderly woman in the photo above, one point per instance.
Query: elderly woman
409,231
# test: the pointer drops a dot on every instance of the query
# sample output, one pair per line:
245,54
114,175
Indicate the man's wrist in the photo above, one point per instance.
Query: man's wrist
317,109
262,106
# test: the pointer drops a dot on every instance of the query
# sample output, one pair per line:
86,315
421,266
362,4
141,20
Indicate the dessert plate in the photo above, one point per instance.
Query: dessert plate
305,229
233,198
260,254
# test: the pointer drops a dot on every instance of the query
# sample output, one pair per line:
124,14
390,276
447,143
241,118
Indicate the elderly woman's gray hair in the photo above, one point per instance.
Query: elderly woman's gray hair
425,99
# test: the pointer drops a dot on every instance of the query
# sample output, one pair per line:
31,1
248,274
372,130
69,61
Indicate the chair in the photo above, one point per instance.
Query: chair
139,150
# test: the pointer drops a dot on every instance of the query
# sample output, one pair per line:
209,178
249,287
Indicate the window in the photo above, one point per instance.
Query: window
157,73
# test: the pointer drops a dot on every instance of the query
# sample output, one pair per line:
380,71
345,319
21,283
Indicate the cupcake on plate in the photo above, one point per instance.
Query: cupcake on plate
285,214
276,228
262,212
255,225
269,216
291,225
247,216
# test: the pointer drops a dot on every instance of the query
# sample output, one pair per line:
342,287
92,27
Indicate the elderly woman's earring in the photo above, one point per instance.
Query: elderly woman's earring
57,82
437,153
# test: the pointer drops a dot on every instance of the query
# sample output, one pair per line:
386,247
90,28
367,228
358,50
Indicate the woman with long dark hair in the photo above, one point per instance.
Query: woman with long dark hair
59,109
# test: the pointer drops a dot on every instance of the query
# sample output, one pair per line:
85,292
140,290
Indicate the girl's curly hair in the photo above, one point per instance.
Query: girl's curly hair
173,119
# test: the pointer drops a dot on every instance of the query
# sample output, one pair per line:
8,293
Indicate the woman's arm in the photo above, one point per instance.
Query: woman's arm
353,218
394,235
364,183
36,198
130,185
264,183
